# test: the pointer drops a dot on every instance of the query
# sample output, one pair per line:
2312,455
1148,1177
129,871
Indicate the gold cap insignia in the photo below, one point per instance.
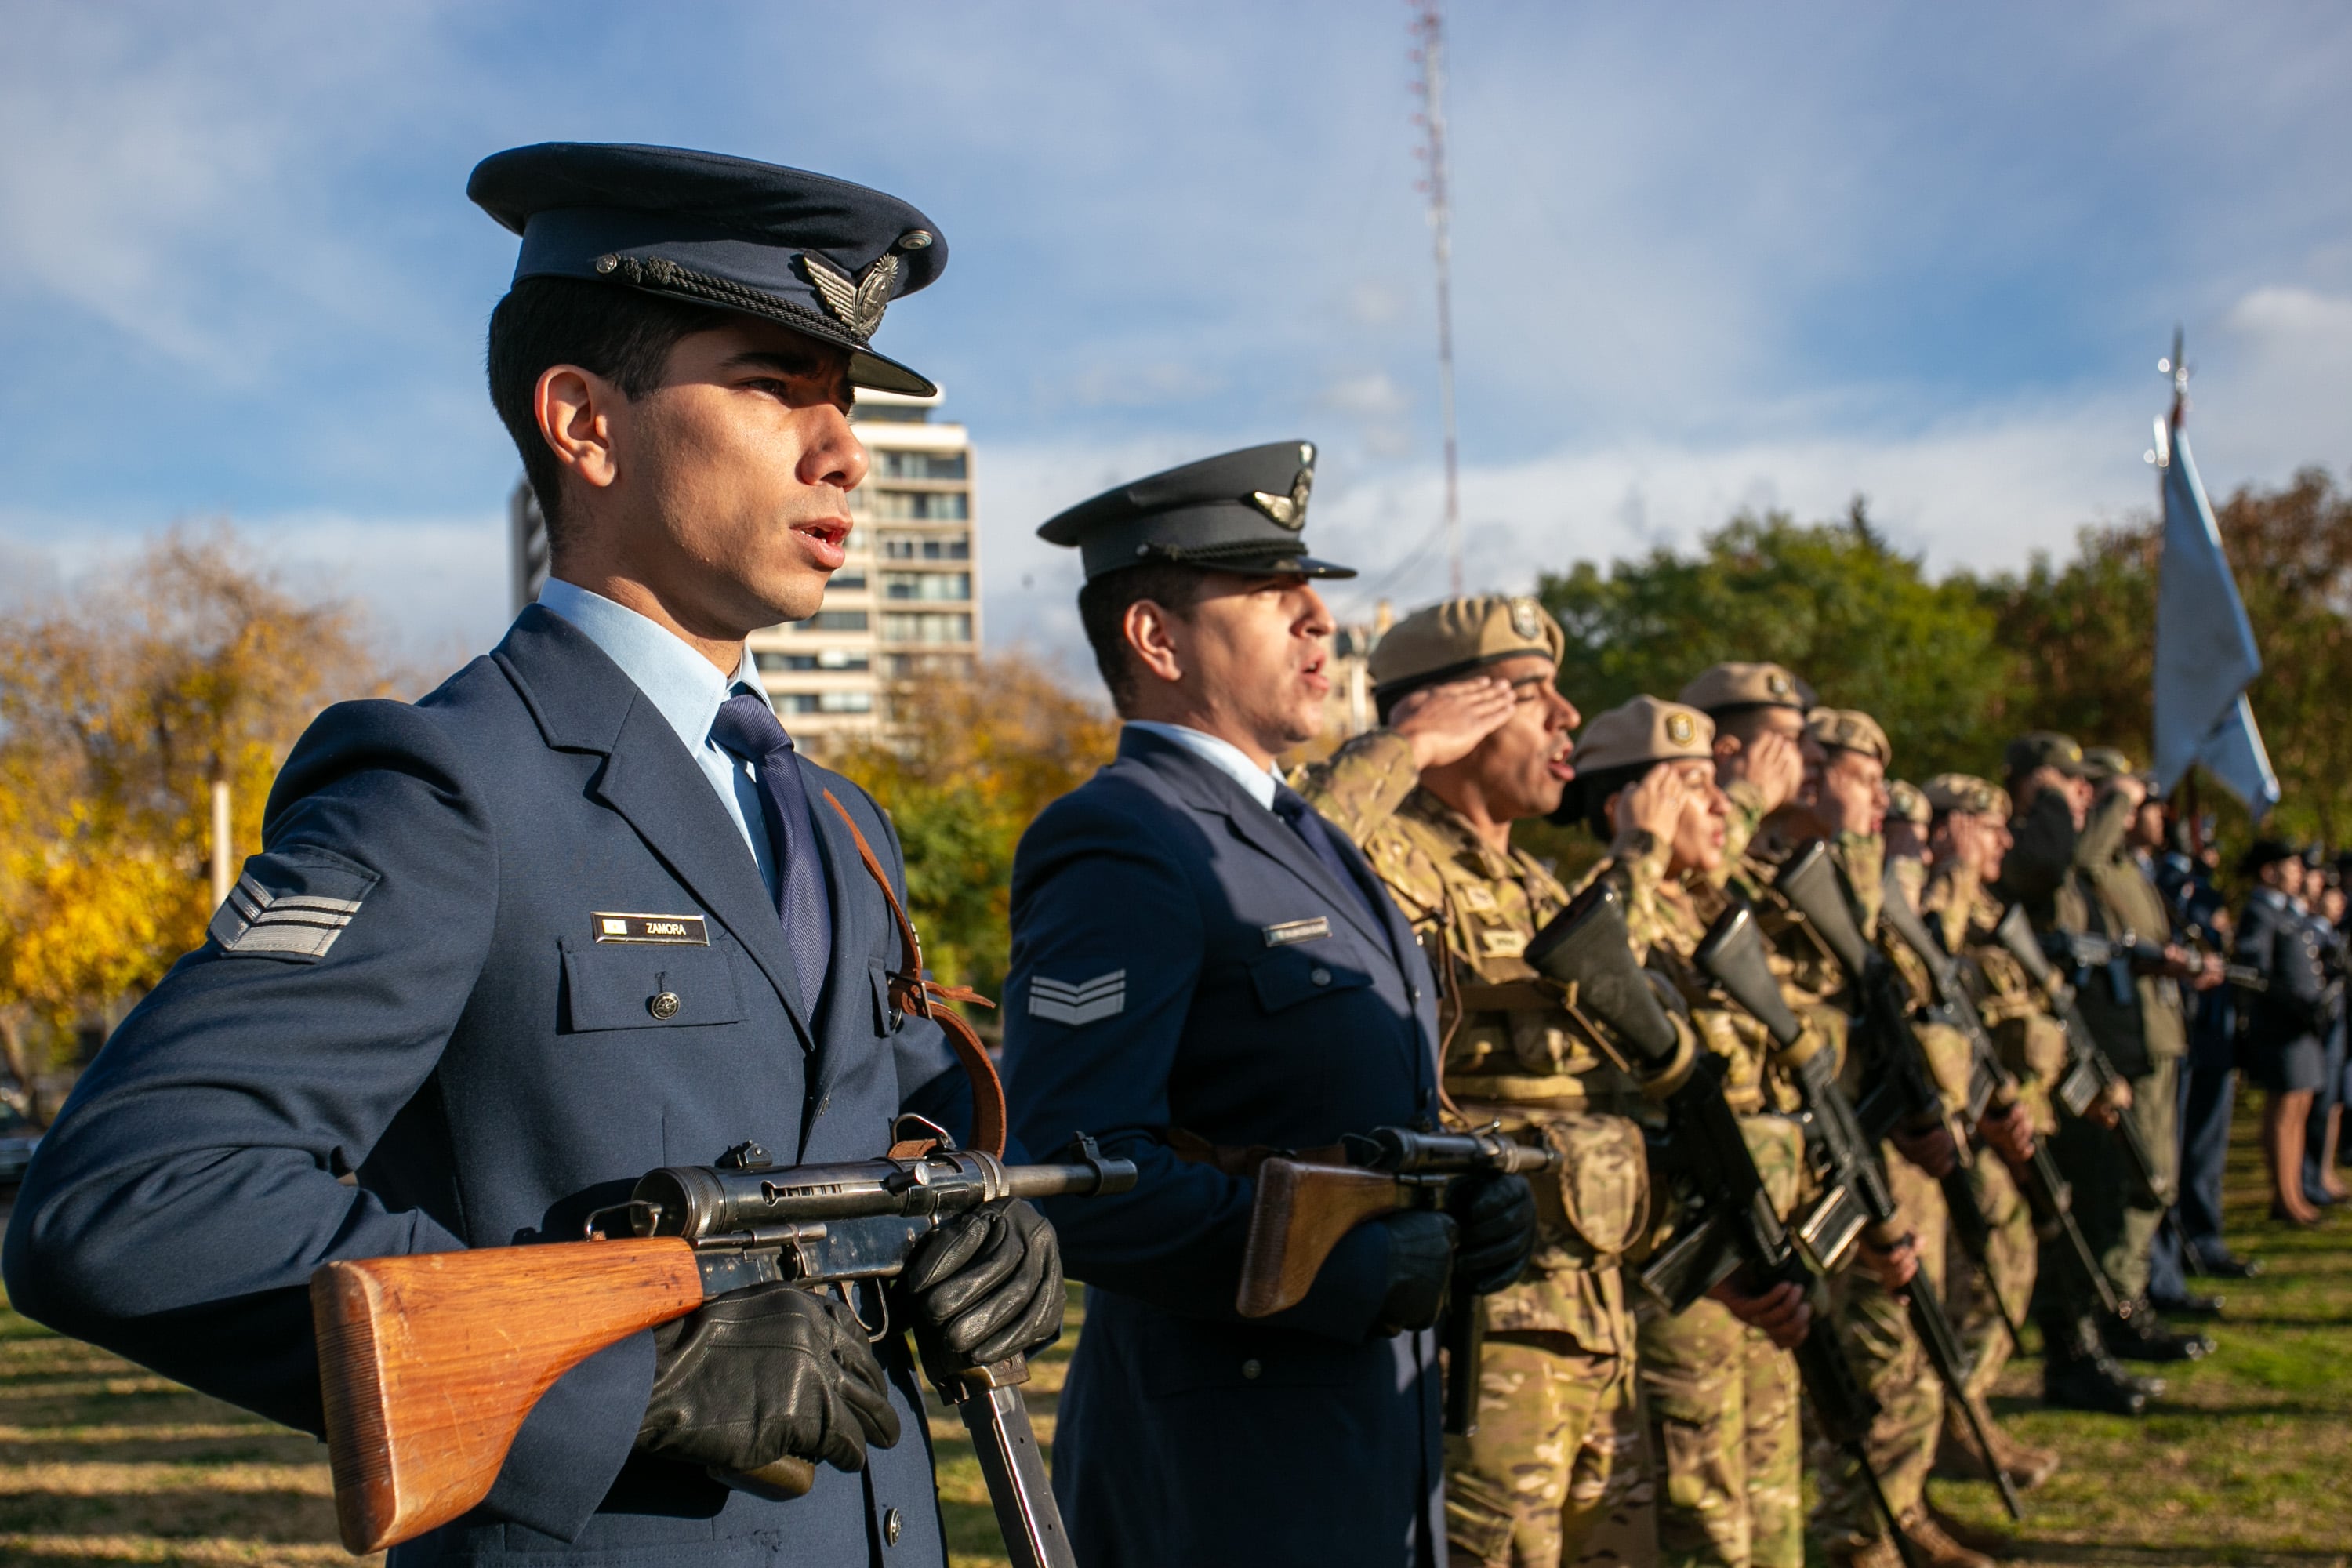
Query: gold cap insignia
1679,729
1527,618
858,302
1777,684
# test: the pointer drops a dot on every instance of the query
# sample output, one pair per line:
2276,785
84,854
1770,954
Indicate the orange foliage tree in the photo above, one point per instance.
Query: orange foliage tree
971,760
115,706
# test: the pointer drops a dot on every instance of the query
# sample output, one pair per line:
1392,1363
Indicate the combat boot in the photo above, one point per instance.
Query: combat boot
2139,1336
1932,1548
1959,1458
2077,1374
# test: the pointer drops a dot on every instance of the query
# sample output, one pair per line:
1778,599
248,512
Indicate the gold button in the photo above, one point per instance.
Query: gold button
664,1006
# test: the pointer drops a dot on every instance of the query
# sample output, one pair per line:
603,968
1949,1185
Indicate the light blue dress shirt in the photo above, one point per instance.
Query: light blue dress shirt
1222,755
686,688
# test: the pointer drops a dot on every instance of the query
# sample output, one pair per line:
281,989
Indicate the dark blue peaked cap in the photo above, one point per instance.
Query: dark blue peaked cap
822,256
1239,511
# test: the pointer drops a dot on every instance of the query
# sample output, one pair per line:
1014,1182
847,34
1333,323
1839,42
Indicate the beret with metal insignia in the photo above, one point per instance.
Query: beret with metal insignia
1646,729
1455,637
1968,793
1735,685
2101,764
1850,729
1238,511
2044,749
1904,803
822,256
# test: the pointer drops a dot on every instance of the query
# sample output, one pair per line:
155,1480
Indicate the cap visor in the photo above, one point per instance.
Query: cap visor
877,373
1307,566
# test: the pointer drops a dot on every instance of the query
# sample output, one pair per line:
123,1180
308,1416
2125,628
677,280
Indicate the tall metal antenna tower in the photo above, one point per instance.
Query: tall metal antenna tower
1428,28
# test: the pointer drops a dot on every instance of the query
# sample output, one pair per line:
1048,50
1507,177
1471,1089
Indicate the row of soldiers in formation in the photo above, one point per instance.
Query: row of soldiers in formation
1700,800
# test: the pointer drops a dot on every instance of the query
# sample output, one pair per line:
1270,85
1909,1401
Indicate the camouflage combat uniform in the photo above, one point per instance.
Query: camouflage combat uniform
1723,1402
2031,1044
1554,1474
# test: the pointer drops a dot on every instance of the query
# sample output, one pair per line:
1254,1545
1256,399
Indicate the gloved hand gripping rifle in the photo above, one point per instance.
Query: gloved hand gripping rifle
2089,1076
1814,889
1992,1087
1732,1226
1302,1208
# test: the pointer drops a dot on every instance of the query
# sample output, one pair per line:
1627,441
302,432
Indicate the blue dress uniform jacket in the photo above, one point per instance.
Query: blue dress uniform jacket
491,1073
2284,1034
1168,971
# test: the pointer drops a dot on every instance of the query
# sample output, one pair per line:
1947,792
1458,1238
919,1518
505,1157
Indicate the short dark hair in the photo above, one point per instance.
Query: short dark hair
624,335
1102,610
1738,720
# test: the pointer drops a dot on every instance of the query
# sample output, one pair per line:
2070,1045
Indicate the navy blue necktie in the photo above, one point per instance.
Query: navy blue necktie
747,728
1301,818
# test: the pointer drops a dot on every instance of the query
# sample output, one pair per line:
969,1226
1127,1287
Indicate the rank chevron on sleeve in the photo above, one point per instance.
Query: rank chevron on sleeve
1059,1002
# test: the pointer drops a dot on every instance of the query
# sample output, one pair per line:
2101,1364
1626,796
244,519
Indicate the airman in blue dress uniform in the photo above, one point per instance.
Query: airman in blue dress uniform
1204,970
580,913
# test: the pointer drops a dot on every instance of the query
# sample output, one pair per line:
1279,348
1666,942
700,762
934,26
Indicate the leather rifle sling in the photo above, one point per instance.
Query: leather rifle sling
912,994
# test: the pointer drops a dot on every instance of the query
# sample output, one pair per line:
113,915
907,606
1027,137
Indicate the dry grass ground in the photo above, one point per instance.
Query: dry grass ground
2246,1463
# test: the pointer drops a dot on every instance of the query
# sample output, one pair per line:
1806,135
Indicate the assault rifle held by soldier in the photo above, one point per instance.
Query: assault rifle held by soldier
1992,1087
429,1362
1303,1206
1732,1226
1815,889
2090,1077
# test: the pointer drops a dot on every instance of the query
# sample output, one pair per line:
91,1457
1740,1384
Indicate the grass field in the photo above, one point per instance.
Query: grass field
2248,1461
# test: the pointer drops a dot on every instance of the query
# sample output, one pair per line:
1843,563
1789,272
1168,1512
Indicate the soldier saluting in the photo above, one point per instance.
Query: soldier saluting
1205,971
580,913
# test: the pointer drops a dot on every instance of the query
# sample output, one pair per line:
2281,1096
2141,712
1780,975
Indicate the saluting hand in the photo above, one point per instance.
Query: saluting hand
1776,767
1654,805
1445,723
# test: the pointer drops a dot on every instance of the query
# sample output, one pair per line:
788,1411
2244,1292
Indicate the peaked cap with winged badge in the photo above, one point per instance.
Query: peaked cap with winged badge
1237,511
822,256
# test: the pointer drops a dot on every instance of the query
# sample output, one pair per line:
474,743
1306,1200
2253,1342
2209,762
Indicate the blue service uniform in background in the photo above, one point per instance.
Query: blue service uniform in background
411,985
1182,960
2285,1048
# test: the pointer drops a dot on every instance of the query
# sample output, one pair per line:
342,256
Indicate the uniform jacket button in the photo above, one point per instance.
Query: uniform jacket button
1252,1367
664,1005
1320,976
891,1525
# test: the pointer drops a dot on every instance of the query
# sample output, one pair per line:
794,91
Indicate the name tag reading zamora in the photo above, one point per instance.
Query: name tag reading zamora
661,931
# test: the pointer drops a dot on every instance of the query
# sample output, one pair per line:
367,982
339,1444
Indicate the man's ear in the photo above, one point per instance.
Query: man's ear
576,410
1727,747
1146,627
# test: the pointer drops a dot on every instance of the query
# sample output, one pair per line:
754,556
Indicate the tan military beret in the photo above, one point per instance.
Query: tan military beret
1455,637
1646,729
1966,791
1746,686
2101,764
1849,730
1905,804
2044,749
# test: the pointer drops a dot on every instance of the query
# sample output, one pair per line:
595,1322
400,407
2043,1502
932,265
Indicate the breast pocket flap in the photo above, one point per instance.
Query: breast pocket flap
627,987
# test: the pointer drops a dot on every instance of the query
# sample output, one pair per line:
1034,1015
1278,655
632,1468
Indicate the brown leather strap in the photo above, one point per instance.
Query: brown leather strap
913,995
1239,1160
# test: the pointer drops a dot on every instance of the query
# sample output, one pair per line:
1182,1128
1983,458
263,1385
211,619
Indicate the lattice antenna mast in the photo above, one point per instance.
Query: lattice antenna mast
1428,28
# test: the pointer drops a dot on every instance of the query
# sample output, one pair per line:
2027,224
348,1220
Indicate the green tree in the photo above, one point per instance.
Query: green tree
1832,601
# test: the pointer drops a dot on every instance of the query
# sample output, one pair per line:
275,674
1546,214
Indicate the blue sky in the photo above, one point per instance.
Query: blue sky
1707,257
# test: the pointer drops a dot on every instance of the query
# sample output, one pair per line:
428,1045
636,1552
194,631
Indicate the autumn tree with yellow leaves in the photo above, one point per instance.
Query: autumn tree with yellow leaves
972,761
115,705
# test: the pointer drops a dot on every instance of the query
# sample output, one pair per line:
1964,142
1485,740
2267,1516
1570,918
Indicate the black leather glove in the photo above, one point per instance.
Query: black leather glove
1496,1213
1419,1266
759,1375
982,1286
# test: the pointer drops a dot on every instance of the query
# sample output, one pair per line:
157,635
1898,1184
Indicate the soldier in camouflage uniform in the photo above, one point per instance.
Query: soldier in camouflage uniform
1720,1387
1907,817
1969,835
1554,1473
1849,803
1765,762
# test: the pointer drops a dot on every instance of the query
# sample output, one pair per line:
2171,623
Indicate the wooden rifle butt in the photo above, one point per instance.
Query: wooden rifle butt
1298,1215
428,1364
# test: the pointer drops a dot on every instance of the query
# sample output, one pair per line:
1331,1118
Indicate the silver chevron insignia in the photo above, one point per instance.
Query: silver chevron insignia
1058,1002
255,920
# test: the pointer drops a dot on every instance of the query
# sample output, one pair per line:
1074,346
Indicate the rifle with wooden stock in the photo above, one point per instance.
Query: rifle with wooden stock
1815,888
2090,1075
430,1362
1302,1208
1731,1226
2049,1197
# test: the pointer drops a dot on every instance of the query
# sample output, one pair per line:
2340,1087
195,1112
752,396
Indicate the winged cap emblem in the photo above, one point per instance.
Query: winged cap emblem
858,302
1290,511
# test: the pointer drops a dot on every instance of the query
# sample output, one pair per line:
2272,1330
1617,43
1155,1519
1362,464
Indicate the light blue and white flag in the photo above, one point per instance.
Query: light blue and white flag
2233,754
2205,654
